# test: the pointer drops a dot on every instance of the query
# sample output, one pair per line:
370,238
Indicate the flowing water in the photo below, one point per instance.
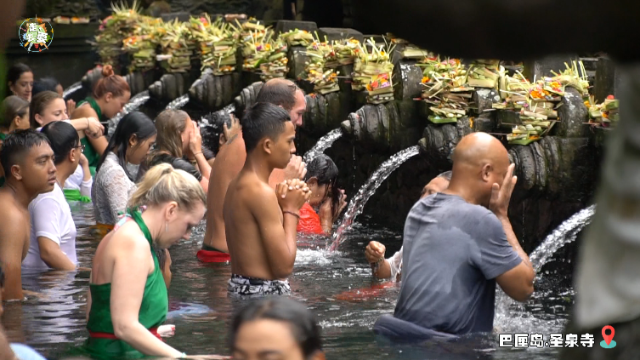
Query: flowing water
511,314
179,102
71,89
133,104
356,205
323,144
199,307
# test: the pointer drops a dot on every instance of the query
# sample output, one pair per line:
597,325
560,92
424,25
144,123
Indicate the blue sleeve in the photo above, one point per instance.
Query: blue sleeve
497,256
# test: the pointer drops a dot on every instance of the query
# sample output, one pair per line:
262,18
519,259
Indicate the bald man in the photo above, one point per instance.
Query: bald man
457,245
231,158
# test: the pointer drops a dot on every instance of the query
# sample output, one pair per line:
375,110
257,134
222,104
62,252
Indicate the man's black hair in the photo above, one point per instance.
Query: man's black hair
17,145
279,92
62,137
260,121
45,84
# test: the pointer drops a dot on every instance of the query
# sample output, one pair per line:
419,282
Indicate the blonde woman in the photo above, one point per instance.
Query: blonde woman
126,269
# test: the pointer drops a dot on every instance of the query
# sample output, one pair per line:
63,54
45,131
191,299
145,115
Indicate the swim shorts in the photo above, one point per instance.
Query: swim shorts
209,254
248,286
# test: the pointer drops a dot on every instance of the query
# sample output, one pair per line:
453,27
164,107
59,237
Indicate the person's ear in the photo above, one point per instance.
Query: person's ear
39,119
16,172
133,141
171,211
486,172
312,181
108,97
16,121
73,155
222,139
267,145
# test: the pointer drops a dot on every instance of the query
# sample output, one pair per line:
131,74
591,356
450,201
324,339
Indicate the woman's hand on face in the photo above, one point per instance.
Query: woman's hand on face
195,139
84,162
71,106
342,203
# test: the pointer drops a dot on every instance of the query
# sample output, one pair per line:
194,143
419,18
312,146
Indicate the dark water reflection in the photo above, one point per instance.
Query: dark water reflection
201,310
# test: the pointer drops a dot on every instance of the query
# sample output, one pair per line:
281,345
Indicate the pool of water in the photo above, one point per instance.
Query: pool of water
201,310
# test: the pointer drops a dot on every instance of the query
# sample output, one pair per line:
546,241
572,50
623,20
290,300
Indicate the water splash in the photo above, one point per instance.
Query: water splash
356,205
133,104
323,144
71,89
178,103
564,234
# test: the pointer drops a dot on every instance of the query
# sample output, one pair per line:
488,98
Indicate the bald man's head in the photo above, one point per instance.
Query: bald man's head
479,161
285,93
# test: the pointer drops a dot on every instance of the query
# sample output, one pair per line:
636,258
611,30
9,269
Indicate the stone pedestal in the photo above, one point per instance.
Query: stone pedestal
288,25
331,34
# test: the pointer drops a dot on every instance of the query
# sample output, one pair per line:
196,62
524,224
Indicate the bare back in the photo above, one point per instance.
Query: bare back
226,167
245,240
14,242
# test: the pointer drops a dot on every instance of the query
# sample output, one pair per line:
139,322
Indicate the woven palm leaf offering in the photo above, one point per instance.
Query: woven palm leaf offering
345,51
538,114
141,44
605,114
574,76
298,38
484,74
323,78
514,91
175,51
253,38
218,45
114,29
273,64
372,71
445,89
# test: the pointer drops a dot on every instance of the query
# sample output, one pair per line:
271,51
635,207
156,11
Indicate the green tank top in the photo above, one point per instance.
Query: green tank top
153,309
74,195
89,152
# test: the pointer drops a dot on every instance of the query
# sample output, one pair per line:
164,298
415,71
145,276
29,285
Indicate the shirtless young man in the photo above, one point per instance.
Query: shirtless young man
29,170
231,158
261,223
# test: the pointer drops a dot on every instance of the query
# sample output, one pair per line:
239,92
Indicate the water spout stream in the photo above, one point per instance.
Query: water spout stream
356,205
323,144
564,234
133,104
71,89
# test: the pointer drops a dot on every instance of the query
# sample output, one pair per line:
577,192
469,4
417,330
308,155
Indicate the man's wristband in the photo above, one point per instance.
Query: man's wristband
291,213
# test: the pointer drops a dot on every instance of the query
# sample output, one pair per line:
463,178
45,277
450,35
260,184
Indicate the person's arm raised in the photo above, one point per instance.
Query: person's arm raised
12,235
517,282
130,272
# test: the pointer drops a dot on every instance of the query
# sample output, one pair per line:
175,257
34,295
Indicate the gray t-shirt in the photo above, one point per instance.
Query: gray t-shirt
453,251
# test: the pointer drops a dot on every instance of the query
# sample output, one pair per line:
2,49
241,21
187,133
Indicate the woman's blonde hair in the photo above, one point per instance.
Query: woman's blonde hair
162,183
170,125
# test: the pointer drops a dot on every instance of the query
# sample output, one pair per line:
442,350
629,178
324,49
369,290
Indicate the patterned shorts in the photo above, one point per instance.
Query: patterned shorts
247,286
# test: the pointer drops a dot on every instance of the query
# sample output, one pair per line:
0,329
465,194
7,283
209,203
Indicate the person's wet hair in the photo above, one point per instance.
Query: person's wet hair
110,83
1,277
170,124
62,137
16,146
14,73
301,321
39,103
12,106
163,183
260,121
278,92
326,172
211,134
45,84
134,123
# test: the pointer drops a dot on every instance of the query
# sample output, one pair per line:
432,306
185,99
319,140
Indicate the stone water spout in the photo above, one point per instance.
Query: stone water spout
215,92
138,81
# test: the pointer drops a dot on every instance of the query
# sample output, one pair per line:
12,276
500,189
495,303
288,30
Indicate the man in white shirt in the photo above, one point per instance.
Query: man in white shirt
374,252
